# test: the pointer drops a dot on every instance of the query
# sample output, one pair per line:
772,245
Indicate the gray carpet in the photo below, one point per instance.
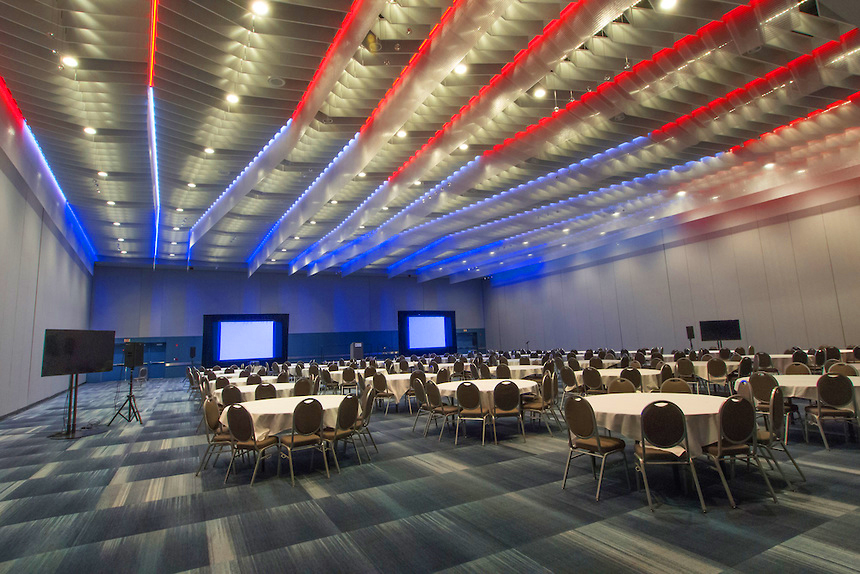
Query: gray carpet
128,500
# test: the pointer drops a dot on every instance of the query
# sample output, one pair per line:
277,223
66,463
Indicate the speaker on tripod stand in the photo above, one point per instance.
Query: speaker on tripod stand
133,355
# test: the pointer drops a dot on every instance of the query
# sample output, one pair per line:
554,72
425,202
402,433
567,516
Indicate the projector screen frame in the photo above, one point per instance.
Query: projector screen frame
403,330
211,336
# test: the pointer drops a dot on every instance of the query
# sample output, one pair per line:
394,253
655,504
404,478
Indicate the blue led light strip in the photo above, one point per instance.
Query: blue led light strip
153,164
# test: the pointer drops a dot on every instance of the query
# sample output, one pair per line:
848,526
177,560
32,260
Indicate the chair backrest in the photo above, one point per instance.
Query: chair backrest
856,353
579,415
369,372
468,395
675,386
777,413
568,378
314,370
624,362
368,395
737,420
745,367
621,386
420,375
418,387
635,377
458,367
762,385
524,360
244,373
744,389
639,356
595,362
380,383
591,378
724,354
797,369
717,368
663,424
333,366
800,357
503,371
443,376
283,377
820,357
506,396
307,417
212,414
831,352
231,395
835,390
686,368
254,379
547,388
222,382
485,371
265,391
347,412
325,377
359,381
302,388
666,372
573,363
843,369
348,375
240,423
434,398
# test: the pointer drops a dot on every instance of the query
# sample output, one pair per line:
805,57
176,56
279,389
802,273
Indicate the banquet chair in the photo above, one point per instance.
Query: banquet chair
305,434
772,437
410,392
828,364
835,401
724,354
254,379
458,373
737,440
265,391
524,360
568,381
583,439
243,374
348,380
506,403
592,382
485,371
675,385
472,373
595,363
221,382
303,387
634,376
442,376
666,373
471,409
325,381
362,423
262,371
762,386
843,369
856,354
717,375
440,410
369,372
800,356
217,439
283,377
621,385
404,365
231,395
421,398
574,365
624,362
380,385
244,440
503,371
344,429
684,369
541,404
797,369
744,389
663,427
314,371
764,363
333,366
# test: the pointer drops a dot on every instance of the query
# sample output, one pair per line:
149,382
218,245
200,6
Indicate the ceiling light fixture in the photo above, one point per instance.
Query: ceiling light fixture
464,146
362,174
668,4
116,223
70,61
770,165
540,92
361,226
284,250
121,239
461,69
232,98
123,252
89,130
173,254
313,222
175,229
191,185
111,202
260,7
273,260
103,174
208,150
682,193
173,243
401,134
296,237
384,208
179,209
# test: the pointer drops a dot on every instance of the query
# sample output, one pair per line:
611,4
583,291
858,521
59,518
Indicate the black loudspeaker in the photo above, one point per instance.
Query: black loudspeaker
691,334
193,352
133,353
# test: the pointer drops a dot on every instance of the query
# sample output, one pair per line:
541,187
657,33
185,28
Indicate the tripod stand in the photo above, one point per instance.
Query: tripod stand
133,413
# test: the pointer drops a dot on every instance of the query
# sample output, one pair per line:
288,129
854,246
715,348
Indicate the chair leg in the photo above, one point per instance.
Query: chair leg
698,488
323,449
819,422
567,467
206,456
522,427
256,467
719,468
457,430
794,462
484,431
333,449
370,436
600,478
292,473
772,457
764,476
626,470
641,469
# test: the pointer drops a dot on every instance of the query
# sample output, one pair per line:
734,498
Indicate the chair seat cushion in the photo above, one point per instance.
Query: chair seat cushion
607,443
764,436
474,413
446,409
535,405
384,395
261,444
506,413
830,411
656,454
335,434
221,437
292,441
728,449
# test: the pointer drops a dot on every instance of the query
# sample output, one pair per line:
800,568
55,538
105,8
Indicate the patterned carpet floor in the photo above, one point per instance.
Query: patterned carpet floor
127,500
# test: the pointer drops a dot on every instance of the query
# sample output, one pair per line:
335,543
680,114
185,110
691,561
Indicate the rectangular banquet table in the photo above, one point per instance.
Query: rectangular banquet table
622,412
276,415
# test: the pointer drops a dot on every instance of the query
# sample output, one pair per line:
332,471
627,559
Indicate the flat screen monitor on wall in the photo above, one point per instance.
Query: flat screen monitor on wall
426,332
727,330
243,338
70,352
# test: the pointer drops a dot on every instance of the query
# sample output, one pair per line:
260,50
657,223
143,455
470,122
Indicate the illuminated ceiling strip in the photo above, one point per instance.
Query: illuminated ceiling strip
576,23
29,160
460,28
360,18
743,21
153,168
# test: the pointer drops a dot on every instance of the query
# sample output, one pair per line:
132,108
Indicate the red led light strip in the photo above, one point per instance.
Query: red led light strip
153,26
10,102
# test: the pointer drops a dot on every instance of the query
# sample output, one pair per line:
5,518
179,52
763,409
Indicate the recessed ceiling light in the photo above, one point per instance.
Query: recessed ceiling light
540,92
121,239
333,202
616,214
232,98
652,217
103,174
716,197
464,146
313,222
362,174
175,229
273,260
416,182
800,171
123,252
173,243
566,230
492,252
192,185
461,69
602,233
464,260
668,4
384,208
260,7
564,244
116,224
284,250
208,150
530,254
401,134
296,237
179,209
173,254
89,130
525,242
682,193
361,227
70,61
769,165
111,203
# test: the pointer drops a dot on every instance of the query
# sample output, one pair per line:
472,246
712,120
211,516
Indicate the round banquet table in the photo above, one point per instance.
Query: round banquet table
804,386
522,371
248,391
235,379
276,415
622,412
701,367
650,377
486,388
399,383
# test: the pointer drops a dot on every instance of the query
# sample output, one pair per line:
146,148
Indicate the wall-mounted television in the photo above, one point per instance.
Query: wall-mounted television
726,330
71,352
244,338
426,332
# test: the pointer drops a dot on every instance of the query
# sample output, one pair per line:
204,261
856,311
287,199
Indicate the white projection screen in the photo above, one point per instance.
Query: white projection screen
426,332
242,339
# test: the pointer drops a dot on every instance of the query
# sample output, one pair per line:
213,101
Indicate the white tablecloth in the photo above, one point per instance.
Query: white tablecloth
650,377
522,371
235,379
486,388
276,415
701,367
804,386
399,383
621,413
248,391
